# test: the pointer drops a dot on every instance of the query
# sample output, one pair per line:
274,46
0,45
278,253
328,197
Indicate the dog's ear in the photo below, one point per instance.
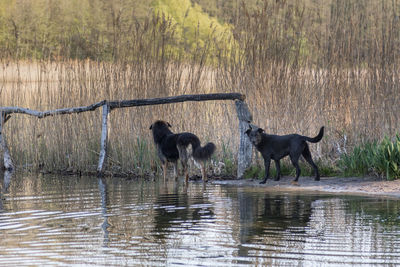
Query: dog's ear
248,131
259,130
169,125
151,127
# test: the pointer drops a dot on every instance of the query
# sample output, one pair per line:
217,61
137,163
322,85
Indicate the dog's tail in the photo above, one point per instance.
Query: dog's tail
317,138
203,153
199,153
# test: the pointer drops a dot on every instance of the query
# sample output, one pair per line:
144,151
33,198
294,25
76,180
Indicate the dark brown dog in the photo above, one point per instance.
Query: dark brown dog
277,147
171,147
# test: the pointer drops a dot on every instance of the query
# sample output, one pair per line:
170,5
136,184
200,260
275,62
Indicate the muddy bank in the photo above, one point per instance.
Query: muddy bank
350,185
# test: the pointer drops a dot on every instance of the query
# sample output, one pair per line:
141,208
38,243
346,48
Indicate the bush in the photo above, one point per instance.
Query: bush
382,159
387,158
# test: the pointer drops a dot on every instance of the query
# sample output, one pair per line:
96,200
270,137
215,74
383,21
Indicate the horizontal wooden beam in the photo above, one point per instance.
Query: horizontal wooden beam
124,104
175,99
42,114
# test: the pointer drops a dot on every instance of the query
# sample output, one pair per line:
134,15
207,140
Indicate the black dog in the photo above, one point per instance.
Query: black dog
171,147
276,147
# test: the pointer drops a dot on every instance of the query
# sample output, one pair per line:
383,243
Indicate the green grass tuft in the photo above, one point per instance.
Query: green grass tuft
381,158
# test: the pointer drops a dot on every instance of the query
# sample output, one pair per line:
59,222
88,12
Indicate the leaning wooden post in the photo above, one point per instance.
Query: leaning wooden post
6,163
245,147
104,139
1,142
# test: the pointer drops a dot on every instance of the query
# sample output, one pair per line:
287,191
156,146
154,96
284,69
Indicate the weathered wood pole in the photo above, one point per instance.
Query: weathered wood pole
7,180
104,139
245,147
6,163
1,142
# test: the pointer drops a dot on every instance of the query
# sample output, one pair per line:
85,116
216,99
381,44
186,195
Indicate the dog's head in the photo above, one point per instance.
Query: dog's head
159,125
255,135
160,129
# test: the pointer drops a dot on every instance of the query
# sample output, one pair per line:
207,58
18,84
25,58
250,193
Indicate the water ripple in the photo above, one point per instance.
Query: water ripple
67,221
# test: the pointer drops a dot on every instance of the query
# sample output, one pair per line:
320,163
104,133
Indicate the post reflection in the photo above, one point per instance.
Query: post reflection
6,181
5,185
104,204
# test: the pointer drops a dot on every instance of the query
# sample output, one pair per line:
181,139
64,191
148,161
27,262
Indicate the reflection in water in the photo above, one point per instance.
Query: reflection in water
104,204
50,220
171,208
281,211
268,218
5,185
179,211
6,180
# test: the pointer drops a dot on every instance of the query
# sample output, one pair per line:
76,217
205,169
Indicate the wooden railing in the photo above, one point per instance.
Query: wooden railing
244,116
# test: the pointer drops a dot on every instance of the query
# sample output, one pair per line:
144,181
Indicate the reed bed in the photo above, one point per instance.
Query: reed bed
282,101
71,142
301,65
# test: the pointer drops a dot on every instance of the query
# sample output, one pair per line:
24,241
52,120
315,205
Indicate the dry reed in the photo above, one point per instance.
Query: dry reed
293,80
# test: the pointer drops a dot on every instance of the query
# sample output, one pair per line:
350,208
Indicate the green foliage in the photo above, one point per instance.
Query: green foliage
255,32
359,161
326,169
193,28
142,156
67,29
254,172
372,157
387,158
105,30
228,159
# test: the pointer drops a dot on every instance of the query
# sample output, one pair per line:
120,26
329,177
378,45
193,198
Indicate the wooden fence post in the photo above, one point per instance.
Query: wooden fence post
104,139
6,163
1,142
245,147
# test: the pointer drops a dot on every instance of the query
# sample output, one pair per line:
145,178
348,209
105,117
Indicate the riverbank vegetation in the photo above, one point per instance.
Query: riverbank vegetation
301,64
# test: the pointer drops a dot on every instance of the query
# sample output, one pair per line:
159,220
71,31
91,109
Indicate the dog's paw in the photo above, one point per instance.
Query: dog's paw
263,182
277,178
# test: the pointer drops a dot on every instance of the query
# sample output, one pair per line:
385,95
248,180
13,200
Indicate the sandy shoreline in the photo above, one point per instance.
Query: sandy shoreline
348,185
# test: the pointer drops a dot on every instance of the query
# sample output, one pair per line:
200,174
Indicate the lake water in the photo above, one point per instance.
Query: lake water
66,221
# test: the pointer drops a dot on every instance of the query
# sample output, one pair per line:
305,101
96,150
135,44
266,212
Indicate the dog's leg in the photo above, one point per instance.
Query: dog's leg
267,162
184,160
307,156
278,170
164,166
176,170
186,173
295,162
203,171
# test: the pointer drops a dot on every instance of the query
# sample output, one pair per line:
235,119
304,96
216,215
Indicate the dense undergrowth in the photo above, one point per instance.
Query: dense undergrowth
381,158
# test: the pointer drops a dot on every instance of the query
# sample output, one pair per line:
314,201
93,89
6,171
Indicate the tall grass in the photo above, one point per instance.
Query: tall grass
72,141
380,158
301,66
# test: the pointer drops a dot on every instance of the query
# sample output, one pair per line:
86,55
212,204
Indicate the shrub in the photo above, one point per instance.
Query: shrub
382,159
387,158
